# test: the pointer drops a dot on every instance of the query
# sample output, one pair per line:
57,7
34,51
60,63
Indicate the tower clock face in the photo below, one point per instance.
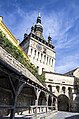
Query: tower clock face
39,47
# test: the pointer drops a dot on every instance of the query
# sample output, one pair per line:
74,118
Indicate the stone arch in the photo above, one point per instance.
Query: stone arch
42,98
26,99
63,103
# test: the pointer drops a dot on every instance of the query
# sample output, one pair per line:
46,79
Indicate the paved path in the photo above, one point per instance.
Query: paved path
56,115
65,115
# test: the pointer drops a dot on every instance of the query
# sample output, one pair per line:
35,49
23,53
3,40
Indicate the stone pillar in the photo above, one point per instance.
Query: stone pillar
52,104
56,105
60,89
36,104
37,91
47,96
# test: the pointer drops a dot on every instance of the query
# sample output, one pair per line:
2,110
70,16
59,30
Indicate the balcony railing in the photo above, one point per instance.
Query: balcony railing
28,110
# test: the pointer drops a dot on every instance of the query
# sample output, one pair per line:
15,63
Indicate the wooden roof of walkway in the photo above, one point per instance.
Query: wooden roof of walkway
14,65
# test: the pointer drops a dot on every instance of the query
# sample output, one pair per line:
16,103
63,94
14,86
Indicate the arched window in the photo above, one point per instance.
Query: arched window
41,56
47,60
69,90
63,89
52,62
31,51
58,88
50,87
35,53
44,58
38,54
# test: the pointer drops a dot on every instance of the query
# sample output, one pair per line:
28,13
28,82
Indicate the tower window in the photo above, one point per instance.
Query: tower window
63,89
44,58
35,52
31,51
41,56
52,61
47,60
38,54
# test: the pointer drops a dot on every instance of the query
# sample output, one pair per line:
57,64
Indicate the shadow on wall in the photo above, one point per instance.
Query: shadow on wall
73,117
76,104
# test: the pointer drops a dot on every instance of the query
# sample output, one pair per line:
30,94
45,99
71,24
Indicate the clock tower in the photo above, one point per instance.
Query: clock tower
40,52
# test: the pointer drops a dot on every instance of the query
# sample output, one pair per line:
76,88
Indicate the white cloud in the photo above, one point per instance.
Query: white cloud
55,25
68,63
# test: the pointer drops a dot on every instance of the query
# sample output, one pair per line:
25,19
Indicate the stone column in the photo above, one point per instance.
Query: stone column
56,105
60,89
37,91
47,102
36,104
52,103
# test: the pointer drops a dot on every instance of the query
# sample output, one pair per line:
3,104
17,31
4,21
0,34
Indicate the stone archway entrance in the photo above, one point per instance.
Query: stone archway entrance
63,103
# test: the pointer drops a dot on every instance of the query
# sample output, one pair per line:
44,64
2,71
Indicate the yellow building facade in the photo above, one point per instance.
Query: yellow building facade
10,36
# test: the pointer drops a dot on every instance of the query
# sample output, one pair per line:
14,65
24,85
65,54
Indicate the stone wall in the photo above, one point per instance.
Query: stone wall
5,99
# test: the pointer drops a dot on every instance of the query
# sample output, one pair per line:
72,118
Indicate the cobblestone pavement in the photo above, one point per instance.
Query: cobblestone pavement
56,115
65,115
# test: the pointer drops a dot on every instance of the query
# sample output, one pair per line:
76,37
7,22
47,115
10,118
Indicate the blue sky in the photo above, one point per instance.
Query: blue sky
60,18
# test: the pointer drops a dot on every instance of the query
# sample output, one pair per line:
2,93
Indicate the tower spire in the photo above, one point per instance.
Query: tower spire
39,18
38,14
38,29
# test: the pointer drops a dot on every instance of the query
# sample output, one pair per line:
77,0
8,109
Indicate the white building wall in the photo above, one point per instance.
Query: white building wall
61,81
41,62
